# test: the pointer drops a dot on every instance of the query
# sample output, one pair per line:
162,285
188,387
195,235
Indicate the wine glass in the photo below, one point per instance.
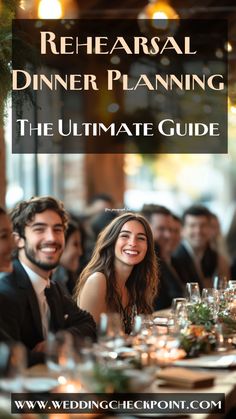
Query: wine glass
220,282
110,330
193,292
60,355
167,343
210,296
232,284
176,302
181,321
222,343
110,337
12,366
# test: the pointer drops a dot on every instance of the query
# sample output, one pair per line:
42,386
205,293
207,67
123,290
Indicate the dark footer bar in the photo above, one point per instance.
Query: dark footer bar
182,403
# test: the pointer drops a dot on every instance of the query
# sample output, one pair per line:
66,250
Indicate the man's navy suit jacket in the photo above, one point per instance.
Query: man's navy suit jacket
20,315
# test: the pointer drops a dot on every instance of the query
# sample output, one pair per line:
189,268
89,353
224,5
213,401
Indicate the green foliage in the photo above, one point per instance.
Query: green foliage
228,322
195,342
23,53
109,380
201,314
195,345
7,14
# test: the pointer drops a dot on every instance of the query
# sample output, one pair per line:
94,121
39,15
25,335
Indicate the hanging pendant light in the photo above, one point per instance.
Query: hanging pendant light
50,9
159,18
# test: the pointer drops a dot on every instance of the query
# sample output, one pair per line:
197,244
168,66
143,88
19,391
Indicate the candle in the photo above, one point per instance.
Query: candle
68,387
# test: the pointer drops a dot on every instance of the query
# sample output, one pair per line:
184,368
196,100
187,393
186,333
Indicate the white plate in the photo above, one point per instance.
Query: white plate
139,380
209,361
40,384
11,385
126,352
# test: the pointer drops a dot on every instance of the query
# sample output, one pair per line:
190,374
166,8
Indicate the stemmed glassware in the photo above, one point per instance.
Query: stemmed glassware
220,282
110,337
193,292
176,302
12,367
210,296
110,333
60,354
180,315
232,284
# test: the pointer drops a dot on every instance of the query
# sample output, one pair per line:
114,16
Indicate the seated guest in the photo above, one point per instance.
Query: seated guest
233,270
217,239
122,274
100,221
6,242
6,247
4,337
98,205
66,272
162,225
176,231
194,259
31,304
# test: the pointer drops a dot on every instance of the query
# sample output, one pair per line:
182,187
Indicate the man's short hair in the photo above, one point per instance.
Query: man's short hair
196,211
2,211
177,218
101,197
150,209
25,211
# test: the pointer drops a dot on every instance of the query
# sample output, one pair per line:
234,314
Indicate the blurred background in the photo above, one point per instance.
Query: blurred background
173,180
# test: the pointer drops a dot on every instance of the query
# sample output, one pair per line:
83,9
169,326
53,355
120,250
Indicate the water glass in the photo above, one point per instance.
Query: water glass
232,284
60,354
17,360
12,367
110,333
220,282
167,346
222,342
224,300
193,292
176,302
181,320
210,296
232,308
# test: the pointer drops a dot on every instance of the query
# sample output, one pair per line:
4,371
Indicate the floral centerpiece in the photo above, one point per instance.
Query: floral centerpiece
200,336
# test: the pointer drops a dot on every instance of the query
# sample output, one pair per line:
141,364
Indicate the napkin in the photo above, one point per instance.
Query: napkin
183,377
209,361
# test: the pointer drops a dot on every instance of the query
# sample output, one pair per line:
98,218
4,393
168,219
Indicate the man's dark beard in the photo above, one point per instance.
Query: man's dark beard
29,253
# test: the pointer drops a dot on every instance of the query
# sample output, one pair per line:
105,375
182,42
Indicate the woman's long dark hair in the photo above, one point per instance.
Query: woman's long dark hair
143,280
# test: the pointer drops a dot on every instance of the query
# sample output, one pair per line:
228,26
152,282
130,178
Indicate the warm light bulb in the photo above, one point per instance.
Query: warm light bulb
228,47
232,106
233,109
50,9
22,4
160,15
160,18
160,10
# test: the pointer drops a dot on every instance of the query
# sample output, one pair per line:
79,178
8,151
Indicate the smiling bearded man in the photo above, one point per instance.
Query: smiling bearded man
31,304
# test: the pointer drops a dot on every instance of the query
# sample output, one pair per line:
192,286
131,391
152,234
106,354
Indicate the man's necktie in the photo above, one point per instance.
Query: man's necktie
44,309
56,313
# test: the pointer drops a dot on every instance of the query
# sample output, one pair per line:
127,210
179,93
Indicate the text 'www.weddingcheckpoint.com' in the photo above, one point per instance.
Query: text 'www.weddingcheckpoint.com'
119,403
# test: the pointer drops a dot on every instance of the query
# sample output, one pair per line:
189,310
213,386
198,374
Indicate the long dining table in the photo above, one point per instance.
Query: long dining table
225,383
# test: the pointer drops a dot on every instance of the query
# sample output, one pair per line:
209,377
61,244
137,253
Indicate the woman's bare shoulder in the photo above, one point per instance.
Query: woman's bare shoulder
97,279
93,295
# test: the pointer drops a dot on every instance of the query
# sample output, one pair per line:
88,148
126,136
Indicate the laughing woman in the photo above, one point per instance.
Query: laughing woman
122,274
